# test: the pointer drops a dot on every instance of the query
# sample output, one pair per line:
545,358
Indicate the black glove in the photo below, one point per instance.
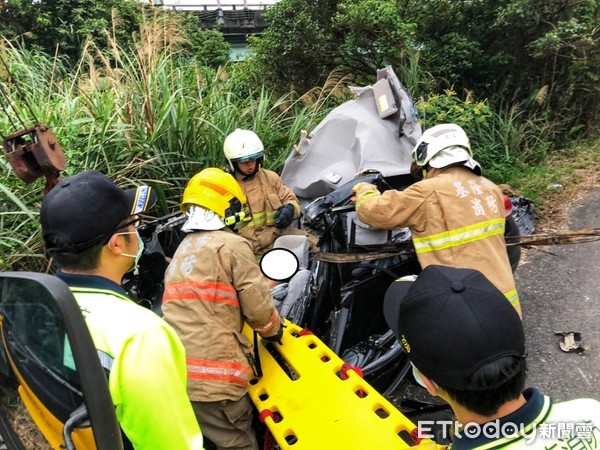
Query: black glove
277,336
284,216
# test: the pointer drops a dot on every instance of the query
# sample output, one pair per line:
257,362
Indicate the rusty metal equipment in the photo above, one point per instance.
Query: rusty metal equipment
34,152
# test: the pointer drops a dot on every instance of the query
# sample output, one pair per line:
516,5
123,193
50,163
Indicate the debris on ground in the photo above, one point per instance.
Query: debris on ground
571,342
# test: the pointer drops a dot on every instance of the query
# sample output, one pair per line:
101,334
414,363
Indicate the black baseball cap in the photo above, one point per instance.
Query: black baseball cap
85,209
452,322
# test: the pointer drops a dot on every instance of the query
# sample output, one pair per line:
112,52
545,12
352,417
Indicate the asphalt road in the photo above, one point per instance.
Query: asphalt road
560,291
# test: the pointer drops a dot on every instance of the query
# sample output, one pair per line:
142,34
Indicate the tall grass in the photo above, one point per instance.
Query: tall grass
417,81
509,138
141,113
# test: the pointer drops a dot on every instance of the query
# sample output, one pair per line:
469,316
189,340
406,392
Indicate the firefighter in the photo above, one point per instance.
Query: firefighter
214,286
272,204
89,229
455,215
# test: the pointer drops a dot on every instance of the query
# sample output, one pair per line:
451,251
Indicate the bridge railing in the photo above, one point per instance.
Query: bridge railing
233,5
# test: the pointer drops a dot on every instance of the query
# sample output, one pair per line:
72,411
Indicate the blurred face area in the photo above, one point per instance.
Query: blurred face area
247,167
418,172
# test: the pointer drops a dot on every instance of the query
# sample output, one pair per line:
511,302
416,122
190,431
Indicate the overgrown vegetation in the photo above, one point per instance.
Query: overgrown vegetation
138,113
506,51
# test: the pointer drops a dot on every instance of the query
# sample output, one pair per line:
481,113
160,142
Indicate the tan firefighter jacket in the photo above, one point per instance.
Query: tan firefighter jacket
212,286
266,192
456,219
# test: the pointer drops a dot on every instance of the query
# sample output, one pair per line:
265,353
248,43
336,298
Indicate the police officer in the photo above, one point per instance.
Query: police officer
89,229
467,346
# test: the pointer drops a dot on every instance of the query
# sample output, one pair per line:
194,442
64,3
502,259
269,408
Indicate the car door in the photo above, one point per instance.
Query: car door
51,352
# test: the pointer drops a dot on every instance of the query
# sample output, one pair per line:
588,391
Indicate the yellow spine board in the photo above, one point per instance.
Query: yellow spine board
315,407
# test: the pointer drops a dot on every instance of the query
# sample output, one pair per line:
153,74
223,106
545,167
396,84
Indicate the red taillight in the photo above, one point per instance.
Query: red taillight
507,206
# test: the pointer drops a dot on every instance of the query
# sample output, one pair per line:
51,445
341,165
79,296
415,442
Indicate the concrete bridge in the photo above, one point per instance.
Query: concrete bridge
235,18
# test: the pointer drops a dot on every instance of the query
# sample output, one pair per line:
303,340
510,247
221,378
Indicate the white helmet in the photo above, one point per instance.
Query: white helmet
243,145
444,145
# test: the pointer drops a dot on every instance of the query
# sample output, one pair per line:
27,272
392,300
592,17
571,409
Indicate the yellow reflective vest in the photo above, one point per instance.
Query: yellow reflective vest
456,219
146,364
540,424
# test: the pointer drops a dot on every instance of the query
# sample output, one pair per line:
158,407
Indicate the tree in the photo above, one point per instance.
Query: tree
209,47
298,49
511,50
306,40
19,18
373,34
63,26
66,24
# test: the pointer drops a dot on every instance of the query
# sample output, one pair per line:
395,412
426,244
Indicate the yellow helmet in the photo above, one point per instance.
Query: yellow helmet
215,190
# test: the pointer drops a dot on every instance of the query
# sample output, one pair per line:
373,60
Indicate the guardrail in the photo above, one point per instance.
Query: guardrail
215,5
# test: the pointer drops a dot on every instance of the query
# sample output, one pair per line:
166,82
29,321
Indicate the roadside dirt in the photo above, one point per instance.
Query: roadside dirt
21,422
554,209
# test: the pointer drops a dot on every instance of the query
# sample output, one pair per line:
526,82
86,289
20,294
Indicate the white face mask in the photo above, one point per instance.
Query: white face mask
417,376
140,248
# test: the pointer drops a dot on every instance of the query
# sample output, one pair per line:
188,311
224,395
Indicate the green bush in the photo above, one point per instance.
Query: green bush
503,141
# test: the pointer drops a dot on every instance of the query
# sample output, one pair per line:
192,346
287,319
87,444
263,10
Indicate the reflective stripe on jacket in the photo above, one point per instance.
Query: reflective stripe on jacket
265,192
220,371
456,219
147,379
538,424
212,287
